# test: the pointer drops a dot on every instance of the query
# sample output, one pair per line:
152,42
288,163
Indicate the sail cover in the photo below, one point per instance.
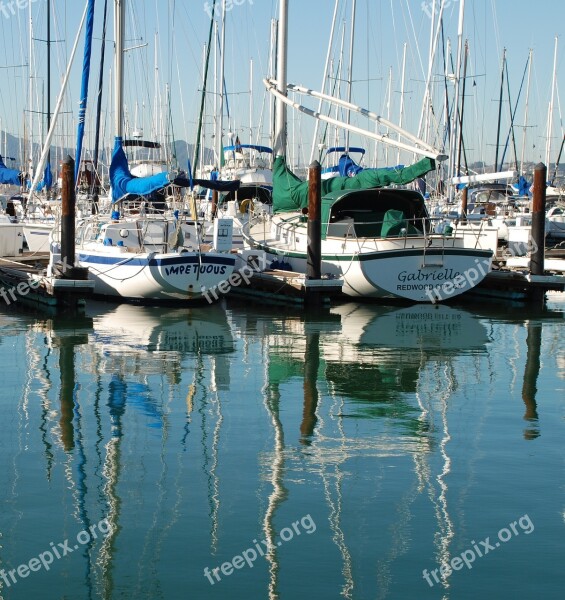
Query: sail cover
291,193
9,176
124,183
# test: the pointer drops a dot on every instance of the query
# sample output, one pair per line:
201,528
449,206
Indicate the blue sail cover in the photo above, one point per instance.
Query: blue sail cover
46,182
347,166
9,176
84,84
124,183
523,186
48,176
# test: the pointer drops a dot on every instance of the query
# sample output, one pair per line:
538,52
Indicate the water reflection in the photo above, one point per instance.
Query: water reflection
371,359
195,431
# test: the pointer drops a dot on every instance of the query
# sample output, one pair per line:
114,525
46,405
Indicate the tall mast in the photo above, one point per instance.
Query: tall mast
219,141
401,117
251,101
273,73
84,85
30,157
455,109
427,102
324,81
350,71
550,114
388,115
279,144
207,49
460,122
99,99
499,110
48,75
43,158
526,112
119,32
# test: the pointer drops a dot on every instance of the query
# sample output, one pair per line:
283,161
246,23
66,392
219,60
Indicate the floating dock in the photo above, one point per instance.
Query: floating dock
31,284
289,287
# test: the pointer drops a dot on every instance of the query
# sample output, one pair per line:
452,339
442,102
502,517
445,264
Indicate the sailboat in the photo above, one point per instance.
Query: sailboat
379,239
148,257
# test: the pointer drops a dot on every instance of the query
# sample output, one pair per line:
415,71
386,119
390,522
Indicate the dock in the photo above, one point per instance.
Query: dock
289,287
34,284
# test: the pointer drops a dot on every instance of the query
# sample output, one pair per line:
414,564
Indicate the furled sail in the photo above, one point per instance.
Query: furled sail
124,183
290,193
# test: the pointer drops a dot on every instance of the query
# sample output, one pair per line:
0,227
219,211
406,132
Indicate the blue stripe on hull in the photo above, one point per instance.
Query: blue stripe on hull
156,262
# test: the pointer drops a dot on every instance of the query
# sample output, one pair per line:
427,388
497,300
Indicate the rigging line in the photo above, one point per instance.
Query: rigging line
204,79
513,114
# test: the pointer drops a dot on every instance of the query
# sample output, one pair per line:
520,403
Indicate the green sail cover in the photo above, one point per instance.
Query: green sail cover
291,193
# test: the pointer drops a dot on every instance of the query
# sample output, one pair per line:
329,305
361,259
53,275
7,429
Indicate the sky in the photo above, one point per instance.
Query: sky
164,70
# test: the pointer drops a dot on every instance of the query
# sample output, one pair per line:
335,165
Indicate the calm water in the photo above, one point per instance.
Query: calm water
241,452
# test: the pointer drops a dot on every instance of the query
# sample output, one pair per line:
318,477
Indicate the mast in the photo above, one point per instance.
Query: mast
43,159
388,109
499,111
454,128
48,82
350,70
426,103
460,124
550,114
273,73
119,32
552,180
324,80
526,113
204,81
99,107
251,100
279,143
401,117
29,162
84,85
219,142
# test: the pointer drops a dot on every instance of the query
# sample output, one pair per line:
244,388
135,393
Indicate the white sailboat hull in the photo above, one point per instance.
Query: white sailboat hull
427,268
37,236
400,275
154,276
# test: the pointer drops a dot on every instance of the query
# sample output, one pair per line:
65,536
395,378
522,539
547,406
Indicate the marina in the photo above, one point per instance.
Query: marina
274,340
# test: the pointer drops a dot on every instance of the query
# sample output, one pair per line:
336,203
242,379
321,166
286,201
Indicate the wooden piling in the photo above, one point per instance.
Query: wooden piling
68,202
314,260
214,203
538,220
464,196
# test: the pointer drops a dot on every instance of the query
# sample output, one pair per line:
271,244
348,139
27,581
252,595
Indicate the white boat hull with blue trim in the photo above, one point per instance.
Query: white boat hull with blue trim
144,260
